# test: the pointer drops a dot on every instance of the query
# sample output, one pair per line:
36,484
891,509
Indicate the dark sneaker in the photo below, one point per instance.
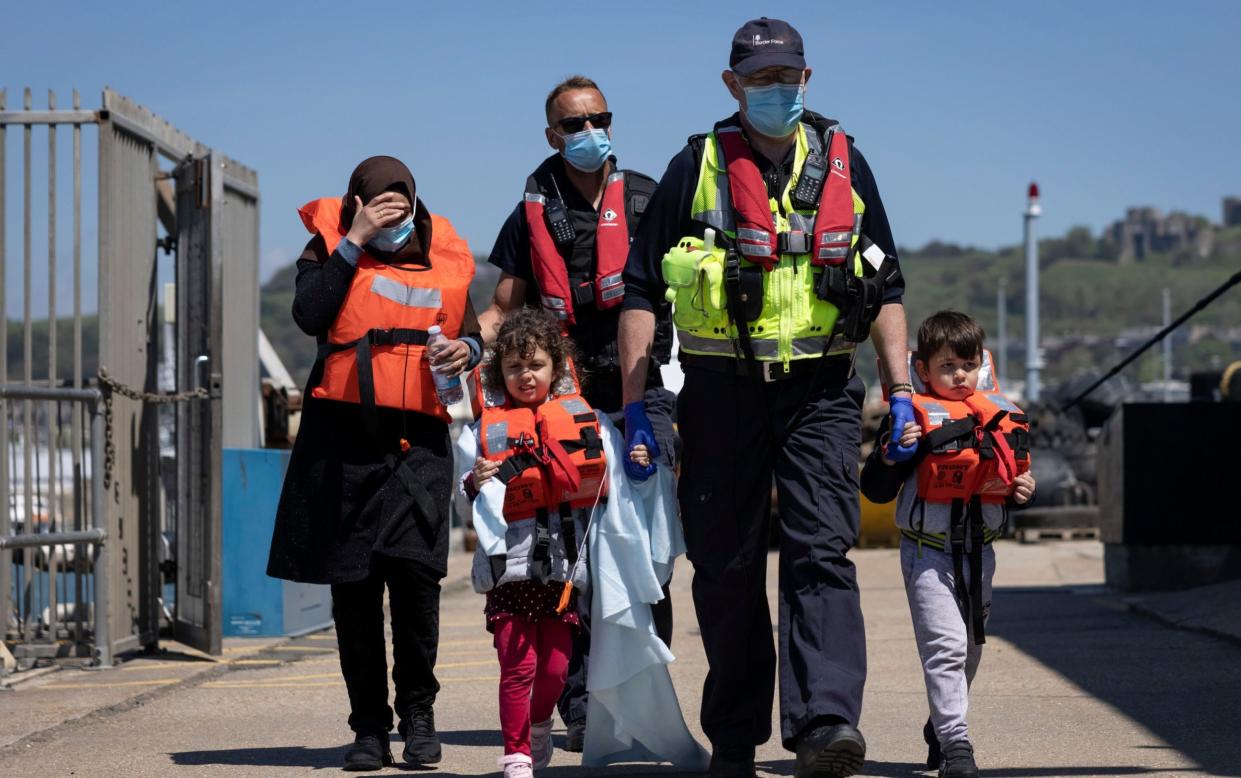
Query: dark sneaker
422,745
575,736
831,751
368,752
958,761
933,755
726,765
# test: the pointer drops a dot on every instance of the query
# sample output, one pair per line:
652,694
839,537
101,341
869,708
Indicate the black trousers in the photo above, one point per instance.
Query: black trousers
737,435
414,600
660,404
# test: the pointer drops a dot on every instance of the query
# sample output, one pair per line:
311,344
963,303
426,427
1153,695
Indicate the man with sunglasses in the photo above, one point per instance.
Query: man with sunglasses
564,247
772,221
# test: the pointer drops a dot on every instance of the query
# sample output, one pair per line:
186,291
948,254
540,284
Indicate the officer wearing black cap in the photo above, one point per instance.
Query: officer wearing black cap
769,237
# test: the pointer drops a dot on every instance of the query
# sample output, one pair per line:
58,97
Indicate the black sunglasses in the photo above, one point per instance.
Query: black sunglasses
600,121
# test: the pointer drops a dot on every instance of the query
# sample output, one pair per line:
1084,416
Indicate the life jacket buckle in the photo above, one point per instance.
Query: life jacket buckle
794,242
775,371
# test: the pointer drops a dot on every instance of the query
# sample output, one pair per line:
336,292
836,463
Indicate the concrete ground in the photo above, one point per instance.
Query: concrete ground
1073,683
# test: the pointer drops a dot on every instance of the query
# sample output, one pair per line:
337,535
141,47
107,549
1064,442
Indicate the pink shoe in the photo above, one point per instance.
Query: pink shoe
541,744
516,766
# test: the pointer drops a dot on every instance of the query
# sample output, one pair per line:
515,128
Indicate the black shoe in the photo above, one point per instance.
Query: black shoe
933,755
422,745
958,761
368,752
575,736
831,751
731,765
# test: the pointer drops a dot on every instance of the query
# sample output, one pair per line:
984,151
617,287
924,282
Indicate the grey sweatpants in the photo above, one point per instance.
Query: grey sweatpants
945,642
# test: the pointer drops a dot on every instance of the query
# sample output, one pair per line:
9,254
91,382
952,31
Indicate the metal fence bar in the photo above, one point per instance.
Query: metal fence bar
27,363
48,117
53,448
39,539
102,565
6,583
79,518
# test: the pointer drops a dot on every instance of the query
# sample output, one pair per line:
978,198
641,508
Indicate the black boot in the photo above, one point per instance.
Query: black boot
422,745
933,754
575,736
369,752
830,751
732,763
958,761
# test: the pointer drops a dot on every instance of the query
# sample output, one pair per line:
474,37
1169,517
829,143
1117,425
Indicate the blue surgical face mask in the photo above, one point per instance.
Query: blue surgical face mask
587,150
775,110
392,238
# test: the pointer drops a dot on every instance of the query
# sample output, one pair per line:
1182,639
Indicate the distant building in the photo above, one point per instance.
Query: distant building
1146,230
1232,211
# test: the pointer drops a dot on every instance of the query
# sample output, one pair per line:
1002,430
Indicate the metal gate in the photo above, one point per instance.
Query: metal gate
109,493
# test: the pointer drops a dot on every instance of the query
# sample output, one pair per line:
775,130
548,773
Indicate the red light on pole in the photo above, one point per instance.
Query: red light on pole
1032,193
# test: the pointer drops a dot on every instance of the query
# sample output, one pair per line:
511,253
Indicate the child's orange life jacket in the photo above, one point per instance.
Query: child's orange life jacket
553,457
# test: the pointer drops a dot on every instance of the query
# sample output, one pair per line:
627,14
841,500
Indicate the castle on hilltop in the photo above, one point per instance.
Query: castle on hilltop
1145,231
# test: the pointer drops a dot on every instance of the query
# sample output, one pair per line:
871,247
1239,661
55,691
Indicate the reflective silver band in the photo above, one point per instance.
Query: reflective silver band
535,197
612,280
748,234
497,437
837,237
834,252
409,296
574,405
763,348
752,250
612,293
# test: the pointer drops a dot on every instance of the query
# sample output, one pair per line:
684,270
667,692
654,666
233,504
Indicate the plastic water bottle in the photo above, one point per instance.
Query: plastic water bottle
448,388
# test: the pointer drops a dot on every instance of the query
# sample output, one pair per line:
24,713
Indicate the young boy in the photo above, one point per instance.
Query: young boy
948,363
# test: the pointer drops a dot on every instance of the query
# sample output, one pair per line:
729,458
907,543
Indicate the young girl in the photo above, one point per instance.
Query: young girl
539,443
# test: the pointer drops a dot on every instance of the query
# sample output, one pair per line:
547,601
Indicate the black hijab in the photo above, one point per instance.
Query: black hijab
371,178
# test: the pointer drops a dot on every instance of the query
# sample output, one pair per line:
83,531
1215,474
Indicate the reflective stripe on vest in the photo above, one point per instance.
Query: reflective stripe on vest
385,316
611,249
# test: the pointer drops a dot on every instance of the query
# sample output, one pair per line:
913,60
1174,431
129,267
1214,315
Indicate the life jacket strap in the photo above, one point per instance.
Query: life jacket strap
541,561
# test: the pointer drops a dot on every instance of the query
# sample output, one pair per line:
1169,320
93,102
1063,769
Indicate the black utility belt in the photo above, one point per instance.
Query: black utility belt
770,371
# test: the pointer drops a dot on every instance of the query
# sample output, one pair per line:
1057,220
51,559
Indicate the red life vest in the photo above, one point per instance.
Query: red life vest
757,239
978,446
611,249
553,457
375,349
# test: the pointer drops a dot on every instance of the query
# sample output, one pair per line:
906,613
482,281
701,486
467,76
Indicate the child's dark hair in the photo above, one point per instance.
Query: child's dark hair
524,331
953,329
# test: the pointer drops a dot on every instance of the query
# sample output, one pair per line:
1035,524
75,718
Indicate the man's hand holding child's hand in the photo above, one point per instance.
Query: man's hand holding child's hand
909,436
1023,488
640,456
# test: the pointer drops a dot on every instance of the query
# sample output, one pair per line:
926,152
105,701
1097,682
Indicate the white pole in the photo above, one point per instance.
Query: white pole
1034,359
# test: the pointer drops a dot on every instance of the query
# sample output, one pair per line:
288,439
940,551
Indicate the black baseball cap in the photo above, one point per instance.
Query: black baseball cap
763,43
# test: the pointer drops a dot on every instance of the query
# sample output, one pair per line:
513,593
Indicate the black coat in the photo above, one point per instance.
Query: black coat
347,496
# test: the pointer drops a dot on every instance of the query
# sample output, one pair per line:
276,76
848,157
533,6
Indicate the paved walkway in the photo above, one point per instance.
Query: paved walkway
1074,683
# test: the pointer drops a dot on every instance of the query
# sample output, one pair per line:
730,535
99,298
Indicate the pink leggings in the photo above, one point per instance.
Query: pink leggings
534,660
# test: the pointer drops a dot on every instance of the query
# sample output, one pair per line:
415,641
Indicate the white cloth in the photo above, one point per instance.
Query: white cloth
633,714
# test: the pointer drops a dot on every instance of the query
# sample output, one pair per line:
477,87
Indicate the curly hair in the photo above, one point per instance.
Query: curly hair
524,331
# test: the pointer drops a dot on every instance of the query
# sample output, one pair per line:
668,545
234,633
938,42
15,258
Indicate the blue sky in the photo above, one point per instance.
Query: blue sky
956,105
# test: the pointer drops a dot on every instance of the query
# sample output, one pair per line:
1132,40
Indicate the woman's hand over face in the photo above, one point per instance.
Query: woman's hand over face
386,209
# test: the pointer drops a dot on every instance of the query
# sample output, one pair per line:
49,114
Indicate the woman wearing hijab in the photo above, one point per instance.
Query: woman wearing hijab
366,496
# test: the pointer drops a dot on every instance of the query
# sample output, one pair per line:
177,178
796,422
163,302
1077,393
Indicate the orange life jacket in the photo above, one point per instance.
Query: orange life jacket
553,457
375,350
611,249
757,239
978,445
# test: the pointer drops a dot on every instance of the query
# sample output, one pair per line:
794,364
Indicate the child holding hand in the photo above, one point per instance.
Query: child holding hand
947,613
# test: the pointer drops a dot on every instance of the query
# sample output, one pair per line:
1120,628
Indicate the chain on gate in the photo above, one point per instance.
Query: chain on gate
112,386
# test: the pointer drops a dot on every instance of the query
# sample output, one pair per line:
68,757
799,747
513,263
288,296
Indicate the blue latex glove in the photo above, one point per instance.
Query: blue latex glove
901,409
638,432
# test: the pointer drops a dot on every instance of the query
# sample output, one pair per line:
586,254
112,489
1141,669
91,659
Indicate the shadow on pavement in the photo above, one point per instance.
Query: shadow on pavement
1181,686
282,756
